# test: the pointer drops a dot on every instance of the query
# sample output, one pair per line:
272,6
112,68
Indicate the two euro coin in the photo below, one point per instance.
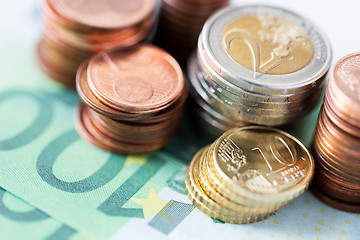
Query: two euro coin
262,65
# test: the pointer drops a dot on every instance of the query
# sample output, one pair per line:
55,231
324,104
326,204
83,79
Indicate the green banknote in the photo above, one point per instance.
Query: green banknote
102,195
45,162
19,220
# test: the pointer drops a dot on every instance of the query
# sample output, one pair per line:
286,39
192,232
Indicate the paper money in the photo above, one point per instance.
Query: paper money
19,220
89,189
45,162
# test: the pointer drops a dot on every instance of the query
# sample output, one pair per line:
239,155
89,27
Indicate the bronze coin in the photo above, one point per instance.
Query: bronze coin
90,99
348,207
340,120
106,13
75,30
336,176
337,160
51,69
140,78
90,133
338,147
332,162
121,130
345,83
133,132
349,141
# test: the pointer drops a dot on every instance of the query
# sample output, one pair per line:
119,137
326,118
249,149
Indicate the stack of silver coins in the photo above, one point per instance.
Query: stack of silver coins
257,65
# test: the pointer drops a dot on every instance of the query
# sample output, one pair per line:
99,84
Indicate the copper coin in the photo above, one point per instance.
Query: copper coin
51,69
336,156
339,148
134,133
333,202
337,182
83,131
336,145
91,100
60,59
335,190
339,176
345,146
140,78
51,14
106,13
122,128
345,81
341,108
197,9
180,23
96,42
90,133
75,30
166,114
331,164
350,141
335,161
340,120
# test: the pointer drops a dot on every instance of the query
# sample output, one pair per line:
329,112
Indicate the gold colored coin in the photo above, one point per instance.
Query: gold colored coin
220,196
268,44
231,191
219,216
248,173
263,163
198,192
208,206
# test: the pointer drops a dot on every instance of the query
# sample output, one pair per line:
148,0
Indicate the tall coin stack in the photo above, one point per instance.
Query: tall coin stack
181,22
260,64
74,30
133,99
336,144
248,173
209,120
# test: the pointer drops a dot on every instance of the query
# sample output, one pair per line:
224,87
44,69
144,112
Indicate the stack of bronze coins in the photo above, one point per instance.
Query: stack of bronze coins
181,22
259,64
74,30
133,99
248,173
336,144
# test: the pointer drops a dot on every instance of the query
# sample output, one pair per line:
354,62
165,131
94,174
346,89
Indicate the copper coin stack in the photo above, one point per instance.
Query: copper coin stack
132,98
74,30
336,144
181,22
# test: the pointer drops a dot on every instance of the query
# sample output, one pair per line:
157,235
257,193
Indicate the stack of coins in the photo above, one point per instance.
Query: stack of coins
133,99
181,22
248,173
336,144
74,30
209,121
260,64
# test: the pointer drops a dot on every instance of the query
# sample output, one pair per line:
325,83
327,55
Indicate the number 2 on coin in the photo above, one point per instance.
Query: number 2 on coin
252,43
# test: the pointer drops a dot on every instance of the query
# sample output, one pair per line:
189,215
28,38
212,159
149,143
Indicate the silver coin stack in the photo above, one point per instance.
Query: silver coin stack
256,65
